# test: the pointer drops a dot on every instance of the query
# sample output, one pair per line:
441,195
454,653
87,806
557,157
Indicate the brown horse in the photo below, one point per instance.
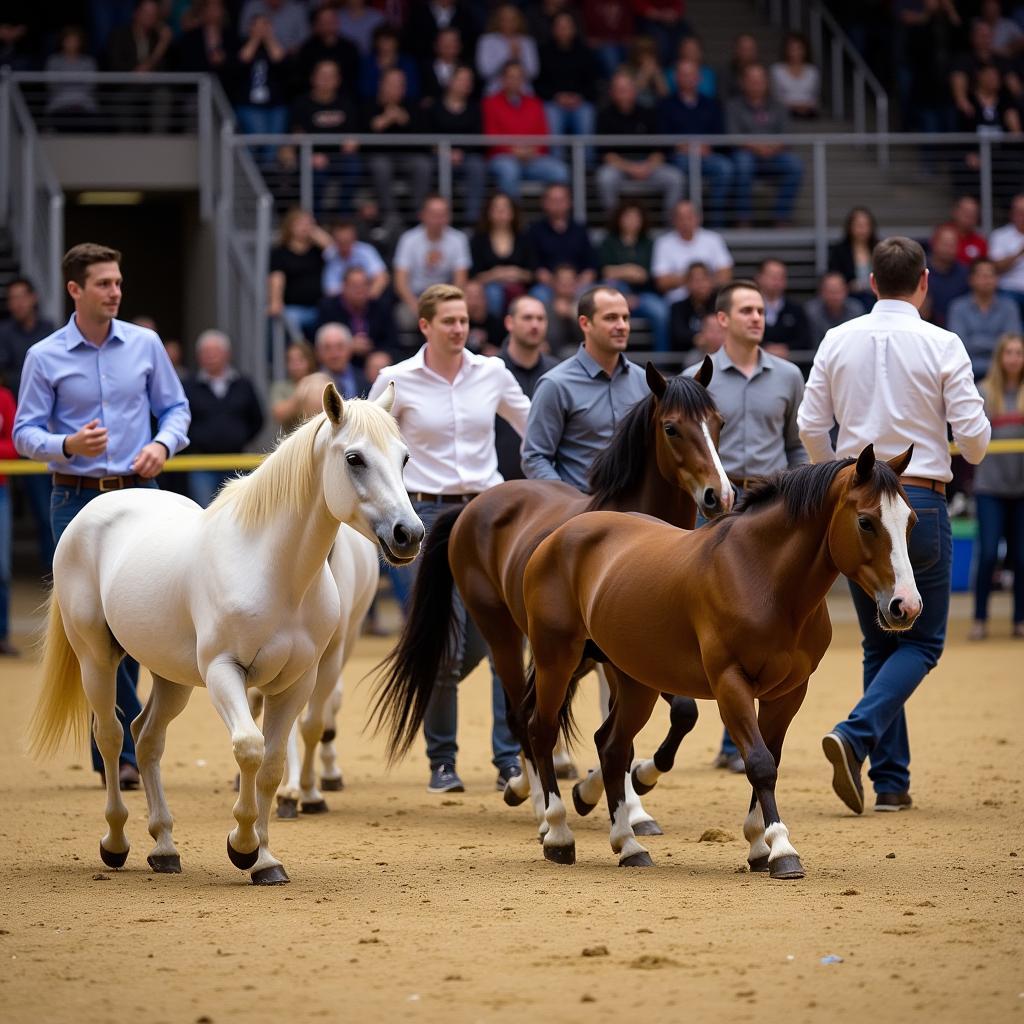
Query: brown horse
661,461
733,611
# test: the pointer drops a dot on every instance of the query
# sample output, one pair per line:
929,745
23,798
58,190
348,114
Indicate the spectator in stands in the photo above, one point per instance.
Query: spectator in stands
287,18
513,112
357,21
210,46
983,316
947,279
691,48
296,271
1006,249
663,21
1007,35
709,340
437,73
965,217
426,23
688,243
540,16
22,328
327,43
69,102
925,36
624,258
607,24
375,362
980,55
832,306
754,112
458,113
381,230
386,54
558,240
392,114
646,70
141,45
432,253
564,333
785,326
851,256
345,252
7,451
485,327
567,80
334,354
176,354
299,362
369,320
503,259
226,412
505,42
687,112
796,83
644,168
15,39
744,53
261,89
988,109
326,110
687,316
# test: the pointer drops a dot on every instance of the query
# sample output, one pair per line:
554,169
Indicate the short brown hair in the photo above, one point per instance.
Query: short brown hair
587,305
434,296
897,264
79,258
723,304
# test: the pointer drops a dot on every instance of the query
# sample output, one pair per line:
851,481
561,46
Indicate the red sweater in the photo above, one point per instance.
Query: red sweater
503,118
7,407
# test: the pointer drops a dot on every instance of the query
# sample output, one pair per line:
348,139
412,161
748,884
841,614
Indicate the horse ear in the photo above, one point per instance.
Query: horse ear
865,464
333,405
655,381
899,464
386,399
704,374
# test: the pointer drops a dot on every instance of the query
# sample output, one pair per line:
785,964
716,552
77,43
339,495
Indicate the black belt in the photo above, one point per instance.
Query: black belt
442,499
97,483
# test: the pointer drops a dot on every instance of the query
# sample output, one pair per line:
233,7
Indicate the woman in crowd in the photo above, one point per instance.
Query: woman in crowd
505,40
796,83
643,64
999,484
502,257
71,101
300,362
296,269
851,257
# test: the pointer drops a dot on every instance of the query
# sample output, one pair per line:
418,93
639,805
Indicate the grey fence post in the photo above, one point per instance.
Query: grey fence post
444,170
693,172
838,99
306,175
206,163
6,152
579,180
27,253
985,183
820,209
54,298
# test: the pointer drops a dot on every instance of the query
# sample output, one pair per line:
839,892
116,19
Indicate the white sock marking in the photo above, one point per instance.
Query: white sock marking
777,837
753,832
624,843
647,772
559,833
592,787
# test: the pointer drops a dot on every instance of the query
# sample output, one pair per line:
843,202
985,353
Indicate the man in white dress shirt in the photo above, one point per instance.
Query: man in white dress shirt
890,379
445,404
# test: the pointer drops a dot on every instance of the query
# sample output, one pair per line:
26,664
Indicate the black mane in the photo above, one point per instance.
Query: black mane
621,465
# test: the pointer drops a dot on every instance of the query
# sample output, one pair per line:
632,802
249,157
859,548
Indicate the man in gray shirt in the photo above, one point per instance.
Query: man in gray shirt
983,316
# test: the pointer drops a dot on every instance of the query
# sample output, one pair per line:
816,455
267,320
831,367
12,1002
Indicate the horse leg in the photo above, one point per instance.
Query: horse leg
587,793
682,718
288,791
331,780
313,723
166,701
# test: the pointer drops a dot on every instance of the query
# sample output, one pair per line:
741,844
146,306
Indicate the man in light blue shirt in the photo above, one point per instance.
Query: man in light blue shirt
87,394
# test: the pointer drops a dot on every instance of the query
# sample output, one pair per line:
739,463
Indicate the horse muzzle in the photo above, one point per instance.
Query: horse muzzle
401,542
900,612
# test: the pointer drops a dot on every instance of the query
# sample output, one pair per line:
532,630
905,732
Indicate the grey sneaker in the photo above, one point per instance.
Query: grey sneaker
506,773
730,762
443,779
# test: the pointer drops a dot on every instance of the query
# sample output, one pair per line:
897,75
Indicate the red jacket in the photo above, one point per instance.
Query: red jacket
502,118
7,408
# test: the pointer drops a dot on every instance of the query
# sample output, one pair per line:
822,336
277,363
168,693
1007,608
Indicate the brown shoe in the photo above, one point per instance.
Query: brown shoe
846,771
893,802
128,776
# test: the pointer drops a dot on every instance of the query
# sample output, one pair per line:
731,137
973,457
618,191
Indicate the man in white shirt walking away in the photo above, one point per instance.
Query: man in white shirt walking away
445,403
890,378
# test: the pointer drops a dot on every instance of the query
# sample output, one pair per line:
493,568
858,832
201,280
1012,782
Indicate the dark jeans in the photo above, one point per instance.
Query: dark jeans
36,488
784,169
999,518
895,663
65,504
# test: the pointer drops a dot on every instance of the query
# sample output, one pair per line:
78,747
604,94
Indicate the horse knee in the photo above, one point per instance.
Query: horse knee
761,768
683,714
248,751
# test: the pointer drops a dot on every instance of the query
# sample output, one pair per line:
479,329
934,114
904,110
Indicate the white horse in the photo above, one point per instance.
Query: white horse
234,595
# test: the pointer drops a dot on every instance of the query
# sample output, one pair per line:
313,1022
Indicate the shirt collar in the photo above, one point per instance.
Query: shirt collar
419,362
593,368
74,336
896,306
723,362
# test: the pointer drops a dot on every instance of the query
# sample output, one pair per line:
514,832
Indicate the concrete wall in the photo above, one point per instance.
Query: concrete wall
164,162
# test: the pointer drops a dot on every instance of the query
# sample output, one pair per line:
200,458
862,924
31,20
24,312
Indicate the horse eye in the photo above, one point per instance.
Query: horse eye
865,524
671,430
354,459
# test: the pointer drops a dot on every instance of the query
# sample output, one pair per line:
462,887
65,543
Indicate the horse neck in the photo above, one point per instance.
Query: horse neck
655,496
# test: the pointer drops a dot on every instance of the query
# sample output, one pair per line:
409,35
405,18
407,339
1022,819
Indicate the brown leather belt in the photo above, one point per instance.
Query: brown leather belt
919,481
744,483
97,483
443,499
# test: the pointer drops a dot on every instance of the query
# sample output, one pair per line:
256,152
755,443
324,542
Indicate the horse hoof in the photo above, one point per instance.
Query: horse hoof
511,797
786,868
332,785
759,863
328,736
274,875
640,788
566,771
111,859
581,805
647,828
287,807
637,860
242,861
561,854
313,806
165,863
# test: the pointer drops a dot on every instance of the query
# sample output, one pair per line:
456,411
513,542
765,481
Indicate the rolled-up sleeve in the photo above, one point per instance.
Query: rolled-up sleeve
965,408
168,402
32,436
816,414
544,429
513,405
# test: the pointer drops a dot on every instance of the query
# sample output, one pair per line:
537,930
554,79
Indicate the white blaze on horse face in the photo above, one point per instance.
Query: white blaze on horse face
717,462
895,516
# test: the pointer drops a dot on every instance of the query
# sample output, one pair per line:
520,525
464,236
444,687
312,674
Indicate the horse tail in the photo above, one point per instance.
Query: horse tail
427,642
62,707
566,719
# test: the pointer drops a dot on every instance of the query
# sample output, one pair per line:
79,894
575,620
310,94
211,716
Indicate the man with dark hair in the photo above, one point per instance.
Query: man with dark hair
20,331
832,306
947,278
981,317
785,326
558,240
88,394
891,379
370,320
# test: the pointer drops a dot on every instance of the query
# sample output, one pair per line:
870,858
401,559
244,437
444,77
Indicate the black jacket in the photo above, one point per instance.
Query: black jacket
222,425
381,324
506,441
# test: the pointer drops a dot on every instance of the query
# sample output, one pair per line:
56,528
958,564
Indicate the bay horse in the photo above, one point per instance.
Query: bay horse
662,461
235,595
731,612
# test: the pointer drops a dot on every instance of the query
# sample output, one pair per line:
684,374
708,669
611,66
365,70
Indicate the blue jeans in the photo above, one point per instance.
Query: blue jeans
253,120
497,300
203,484
440,723
472,174
65,504
37,492
510,171
998,518
579,121
341,175
895,663
783,168
301,320
716,172
5,561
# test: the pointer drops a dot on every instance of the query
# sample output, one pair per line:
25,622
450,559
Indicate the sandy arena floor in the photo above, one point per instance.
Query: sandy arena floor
408,907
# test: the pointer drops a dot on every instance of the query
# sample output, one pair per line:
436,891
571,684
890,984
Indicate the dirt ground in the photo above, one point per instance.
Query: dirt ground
410,907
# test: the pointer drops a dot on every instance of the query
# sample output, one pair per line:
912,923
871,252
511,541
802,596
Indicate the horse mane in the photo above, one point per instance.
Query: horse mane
618,468
286,480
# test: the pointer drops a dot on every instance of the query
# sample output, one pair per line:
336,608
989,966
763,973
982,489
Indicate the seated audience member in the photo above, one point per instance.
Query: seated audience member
326,43
1006,249
642,168
745,52
692,49
261,85
687,316
345,252
176,354
143,44
71,101
708,340
503,259
226,412
558,240
209,47
1007,33
436,73
505,41
607,25
296,272
20,330
334,351
983,316
644,66
511,111
754,112
624,258
965,217
287,18
851,256
369,320
564,333
832,306
947,279
979,55
567,80
357,21
386,54
299,362
375,362
664,21
486,329
796,83
431,253
426,23
688,243
785,327
989,111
